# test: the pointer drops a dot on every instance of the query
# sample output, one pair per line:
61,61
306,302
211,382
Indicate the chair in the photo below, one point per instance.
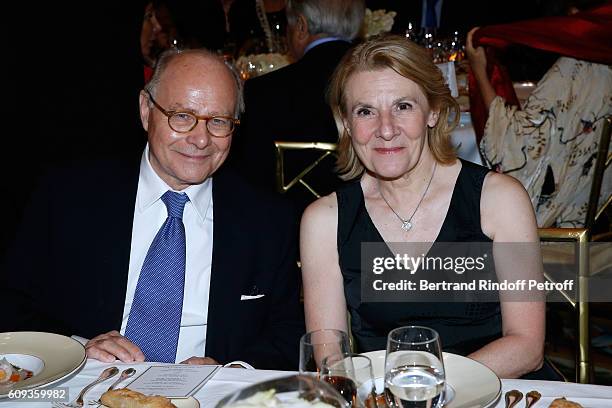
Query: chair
325,150
579,302
581,254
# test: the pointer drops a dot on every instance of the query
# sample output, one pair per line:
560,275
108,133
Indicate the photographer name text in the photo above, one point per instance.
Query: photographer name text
480,284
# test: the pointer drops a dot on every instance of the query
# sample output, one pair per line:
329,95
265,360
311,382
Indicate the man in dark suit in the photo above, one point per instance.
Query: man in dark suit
289,104
103,245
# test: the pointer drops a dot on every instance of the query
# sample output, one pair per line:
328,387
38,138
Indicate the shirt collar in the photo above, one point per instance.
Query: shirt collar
321,41
151,187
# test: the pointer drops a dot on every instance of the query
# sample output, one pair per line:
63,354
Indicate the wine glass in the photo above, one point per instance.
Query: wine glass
318,344
414,369
352,376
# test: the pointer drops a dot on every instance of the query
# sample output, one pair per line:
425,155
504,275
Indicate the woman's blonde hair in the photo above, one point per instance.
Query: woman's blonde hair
410,61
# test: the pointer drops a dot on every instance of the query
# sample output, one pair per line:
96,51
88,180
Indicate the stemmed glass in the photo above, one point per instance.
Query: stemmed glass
318,344
414,369
352,376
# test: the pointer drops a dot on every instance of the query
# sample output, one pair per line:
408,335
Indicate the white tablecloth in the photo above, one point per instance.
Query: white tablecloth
227,380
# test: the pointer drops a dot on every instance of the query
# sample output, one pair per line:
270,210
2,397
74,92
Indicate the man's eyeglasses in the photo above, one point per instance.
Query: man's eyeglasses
185,121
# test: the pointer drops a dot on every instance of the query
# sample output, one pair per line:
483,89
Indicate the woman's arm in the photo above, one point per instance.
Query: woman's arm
478,62
507,217
324,302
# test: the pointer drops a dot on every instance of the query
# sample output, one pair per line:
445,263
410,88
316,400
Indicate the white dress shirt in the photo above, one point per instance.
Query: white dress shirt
149,214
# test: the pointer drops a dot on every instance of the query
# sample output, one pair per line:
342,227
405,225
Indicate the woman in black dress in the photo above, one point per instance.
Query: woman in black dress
392,108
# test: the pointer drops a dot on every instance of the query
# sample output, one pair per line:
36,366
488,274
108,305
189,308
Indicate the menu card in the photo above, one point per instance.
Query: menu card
173,381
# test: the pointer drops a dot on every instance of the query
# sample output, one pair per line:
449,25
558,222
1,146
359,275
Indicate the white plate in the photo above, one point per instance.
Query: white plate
189,402
474,384
50,356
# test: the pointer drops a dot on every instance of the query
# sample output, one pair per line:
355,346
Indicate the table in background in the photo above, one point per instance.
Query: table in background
227,380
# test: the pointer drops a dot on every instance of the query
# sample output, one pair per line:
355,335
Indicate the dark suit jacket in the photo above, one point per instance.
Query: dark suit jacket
288,104
67,272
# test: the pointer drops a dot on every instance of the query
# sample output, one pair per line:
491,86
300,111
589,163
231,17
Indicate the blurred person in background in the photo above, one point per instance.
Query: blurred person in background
180,24
256,26
549,144
153,40
289,104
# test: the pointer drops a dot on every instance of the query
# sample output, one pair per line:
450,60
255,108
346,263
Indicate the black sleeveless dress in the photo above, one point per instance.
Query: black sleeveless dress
463,327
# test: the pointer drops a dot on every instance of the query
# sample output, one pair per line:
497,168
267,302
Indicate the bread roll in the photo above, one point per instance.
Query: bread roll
126,398
563,403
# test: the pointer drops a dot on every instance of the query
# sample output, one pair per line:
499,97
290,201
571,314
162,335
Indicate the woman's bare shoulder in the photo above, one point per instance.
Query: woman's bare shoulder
323,207
506,210
497,184
318,231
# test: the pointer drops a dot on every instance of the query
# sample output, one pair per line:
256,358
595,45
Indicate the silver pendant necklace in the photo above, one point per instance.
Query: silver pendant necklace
407,223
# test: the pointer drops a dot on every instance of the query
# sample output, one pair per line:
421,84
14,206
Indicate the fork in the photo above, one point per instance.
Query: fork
125,374
78,403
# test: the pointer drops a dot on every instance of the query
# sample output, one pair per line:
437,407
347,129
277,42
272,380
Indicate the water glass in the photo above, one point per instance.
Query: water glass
352,376
318,344
414,369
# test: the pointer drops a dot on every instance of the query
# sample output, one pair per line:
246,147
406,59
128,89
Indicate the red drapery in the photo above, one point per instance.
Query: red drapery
585,35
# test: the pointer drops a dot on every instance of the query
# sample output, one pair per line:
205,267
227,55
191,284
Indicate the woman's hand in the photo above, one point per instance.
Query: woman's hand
478,62
477,56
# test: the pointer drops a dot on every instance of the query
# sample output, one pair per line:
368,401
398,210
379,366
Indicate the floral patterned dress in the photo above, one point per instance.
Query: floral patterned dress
551,144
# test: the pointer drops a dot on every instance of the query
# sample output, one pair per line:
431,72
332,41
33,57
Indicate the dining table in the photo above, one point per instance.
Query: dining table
228,380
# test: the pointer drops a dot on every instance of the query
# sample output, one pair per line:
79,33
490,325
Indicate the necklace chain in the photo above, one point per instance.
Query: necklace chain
407,223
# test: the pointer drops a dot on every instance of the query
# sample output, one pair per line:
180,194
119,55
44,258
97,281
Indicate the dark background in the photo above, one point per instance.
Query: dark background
71,91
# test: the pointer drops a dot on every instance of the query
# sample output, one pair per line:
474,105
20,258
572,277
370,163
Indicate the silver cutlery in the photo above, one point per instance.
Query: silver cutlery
78,403
531,398
513,397
125,374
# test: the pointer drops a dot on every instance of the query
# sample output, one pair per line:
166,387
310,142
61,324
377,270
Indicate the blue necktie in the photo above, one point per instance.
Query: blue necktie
155,316
431,19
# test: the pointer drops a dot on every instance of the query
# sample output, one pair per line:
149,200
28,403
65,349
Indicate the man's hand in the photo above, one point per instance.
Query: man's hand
110,346
477,56
200,361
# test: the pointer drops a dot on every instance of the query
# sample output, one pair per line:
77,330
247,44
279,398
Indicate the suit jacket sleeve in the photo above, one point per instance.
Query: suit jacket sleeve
25,260
60,269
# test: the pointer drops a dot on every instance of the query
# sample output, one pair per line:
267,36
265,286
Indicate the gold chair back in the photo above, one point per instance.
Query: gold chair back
582,255
282,185
579,303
